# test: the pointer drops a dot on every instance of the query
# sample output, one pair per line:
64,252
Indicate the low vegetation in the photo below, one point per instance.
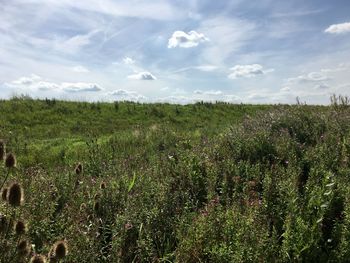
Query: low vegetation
209,182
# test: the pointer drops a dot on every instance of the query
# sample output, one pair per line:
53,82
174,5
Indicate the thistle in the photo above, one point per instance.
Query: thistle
15,194
2,150
4,194
10,161
20,228
38,259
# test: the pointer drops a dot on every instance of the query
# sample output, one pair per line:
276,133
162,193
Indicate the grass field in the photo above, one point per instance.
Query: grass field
208,182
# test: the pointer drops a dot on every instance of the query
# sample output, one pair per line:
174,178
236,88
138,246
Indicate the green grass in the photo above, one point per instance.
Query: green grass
194,183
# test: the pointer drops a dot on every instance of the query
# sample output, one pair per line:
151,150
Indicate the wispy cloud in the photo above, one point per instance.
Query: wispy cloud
80,69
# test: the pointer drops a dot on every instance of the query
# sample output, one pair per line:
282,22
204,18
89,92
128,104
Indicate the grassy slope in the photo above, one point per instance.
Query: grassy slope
274,187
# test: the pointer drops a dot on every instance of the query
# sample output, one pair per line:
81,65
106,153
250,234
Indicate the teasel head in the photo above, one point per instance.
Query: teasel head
15,194
79,169
59,250
10,161
3,223
97,208
23,248
103,186
4,194
20,228
2,150
38,259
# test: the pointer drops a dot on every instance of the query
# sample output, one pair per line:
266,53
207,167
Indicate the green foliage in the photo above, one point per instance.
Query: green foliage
209,182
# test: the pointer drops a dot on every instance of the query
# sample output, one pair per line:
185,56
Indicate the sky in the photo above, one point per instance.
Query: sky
177,51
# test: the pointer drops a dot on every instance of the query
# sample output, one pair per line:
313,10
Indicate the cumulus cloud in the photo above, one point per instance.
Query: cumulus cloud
128,61
80,69
81,87
310,77
121,94
247,71
142,76
338,28
186,40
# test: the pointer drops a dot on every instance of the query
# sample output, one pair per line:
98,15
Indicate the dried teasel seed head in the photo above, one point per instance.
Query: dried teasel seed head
60,249
103,186
20,228
79,169
24,248
2,150
10,161
38,259
15,194
3,223
4,194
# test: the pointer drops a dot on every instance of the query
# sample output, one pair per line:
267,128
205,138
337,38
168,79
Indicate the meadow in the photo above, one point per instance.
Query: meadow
206,182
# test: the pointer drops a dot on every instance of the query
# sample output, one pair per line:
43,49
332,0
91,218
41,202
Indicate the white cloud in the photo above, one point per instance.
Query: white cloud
247,71
142,76
27,81
338,28
35,82
206,68
285,89
310,77
121,94
208,92
322,86
186,40
128,61
80,69
46,86
81,87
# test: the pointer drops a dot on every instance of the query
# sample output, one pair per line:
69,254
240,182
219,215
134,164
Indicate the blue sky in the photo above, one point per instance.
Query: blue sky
181,51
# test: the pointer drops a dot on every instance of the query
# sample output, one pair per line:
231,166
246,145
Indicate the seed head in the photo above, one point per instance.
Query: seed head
4,194
103,185
3,223
79,169
60,249
38,259
10,161
15,194
2,150
20,228
23,248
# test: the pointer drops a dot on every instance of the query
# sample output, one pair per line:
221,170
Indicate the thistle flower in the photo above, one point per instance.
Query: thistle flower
23,248
2,150
10,161
79,169
38,259
4,194
20,228
60,249
15,194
